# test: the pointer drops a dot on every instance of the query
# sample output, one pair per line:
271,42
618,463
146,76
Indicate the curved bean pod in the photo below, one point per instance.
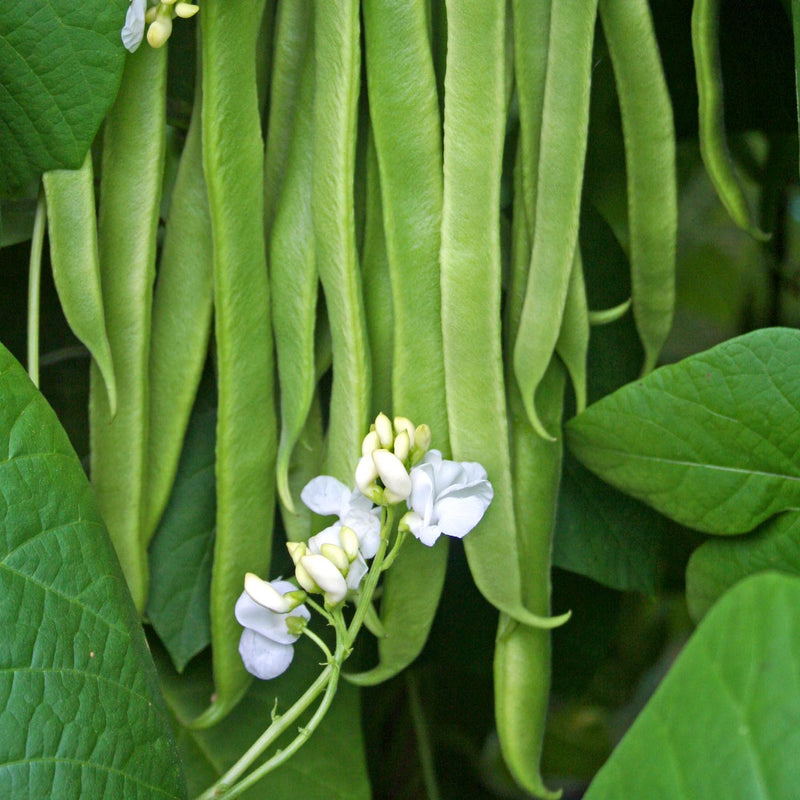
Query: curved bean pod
572,345
181,326
562,150
336,42
650,165
711,117
470,264
128,223
246,425
72,231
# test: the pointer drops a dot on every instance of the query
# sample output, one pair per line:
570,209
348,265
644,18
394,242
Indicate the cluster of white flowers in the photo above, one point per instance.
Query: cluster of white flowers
442,497
158,16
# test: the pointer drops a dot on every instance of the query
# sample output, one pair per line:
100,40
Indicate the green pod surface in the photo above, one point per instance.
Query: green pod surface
523,653
562,151
711,116
293,282
130,196
233,161
649,135
72,232
470,280
181,325
406,123
572,345
292,35
338,63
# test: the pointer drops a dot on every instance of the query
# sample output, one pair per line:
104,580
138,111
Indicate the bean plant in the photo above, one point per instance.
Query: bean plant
410,399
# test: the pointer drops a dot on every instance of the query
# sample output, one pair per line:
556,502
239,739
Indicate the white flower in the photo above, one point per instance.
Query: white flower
133,30
266,646
328,497
337,536
325,576
447,497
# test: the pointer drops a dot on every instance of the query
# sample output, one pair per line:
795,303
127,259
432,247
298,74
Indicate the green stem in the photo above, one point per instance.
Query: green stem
34,286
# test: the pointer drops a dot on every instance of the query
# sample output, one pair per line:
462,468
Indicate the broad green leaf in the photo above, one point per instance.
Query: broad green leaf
717,565
329,766
182,549
723,723
80,709
60,67
711,441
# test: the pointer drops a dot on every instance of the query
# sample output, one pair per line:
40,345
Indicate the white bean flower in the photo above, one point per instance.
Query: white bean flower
334,539
266,645
447,497
329,497
133,30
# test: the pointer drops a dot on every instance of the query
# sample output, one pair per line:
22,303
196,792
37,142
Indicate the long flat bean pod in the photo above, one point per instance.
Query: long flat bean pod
562,150
572,345
292,34
181,326
649,136
336,41
711,116
522,653
72,230
470,264
294,280
246,426
130,194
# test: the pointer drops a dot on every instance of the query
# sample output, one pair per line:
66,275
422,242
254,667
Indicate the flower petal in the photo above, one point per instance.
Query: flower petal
326,496
263,657
422,490
133,30
251,615
326,576
458,513
368,529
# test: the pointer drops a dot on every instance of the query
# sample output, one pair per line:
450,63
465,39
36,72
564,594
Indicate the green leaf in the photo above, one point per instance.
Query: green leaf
717,565
60,67
711,441
723,723
79,698
181,551
329,766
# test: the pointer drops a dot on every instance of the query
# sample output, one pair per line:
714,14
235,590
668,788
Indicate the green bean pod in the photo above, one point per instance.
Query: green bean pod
293,283
572,345
181,325
292,36
130,194
338,54
711,117
470,280
233,161
522,653
562,151
650,165
377,289
72,231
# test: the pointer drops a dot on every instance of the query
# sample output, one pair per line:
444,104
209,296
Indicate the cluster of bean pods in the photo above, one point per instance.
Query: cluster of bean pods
298,182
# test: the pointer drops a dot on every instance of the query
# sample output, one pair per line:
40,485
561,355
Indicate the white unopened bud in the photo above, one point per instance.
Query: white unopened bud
296,550
371,442
160,30
186,10
325,574
304,578
404,424
266,595
422,441
350,543
383,427
366,474
393,474
336,556
402,445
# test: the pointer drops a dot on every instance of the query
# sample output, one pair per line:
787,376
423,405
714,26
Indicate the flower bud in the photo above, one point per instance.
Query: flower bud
160,30
366,474
393,474
325,574
350,544
371,442
186,10
266,595
336,556
304,578
402,445
383,427
422,441
296,550
404,424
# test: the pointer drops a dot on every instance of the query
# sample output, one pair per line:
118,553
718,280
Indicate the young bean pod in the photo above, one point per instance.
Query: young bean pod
650,165
72,231
130,194
470,279
572,345
233,161
562,150
181,326
336,41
